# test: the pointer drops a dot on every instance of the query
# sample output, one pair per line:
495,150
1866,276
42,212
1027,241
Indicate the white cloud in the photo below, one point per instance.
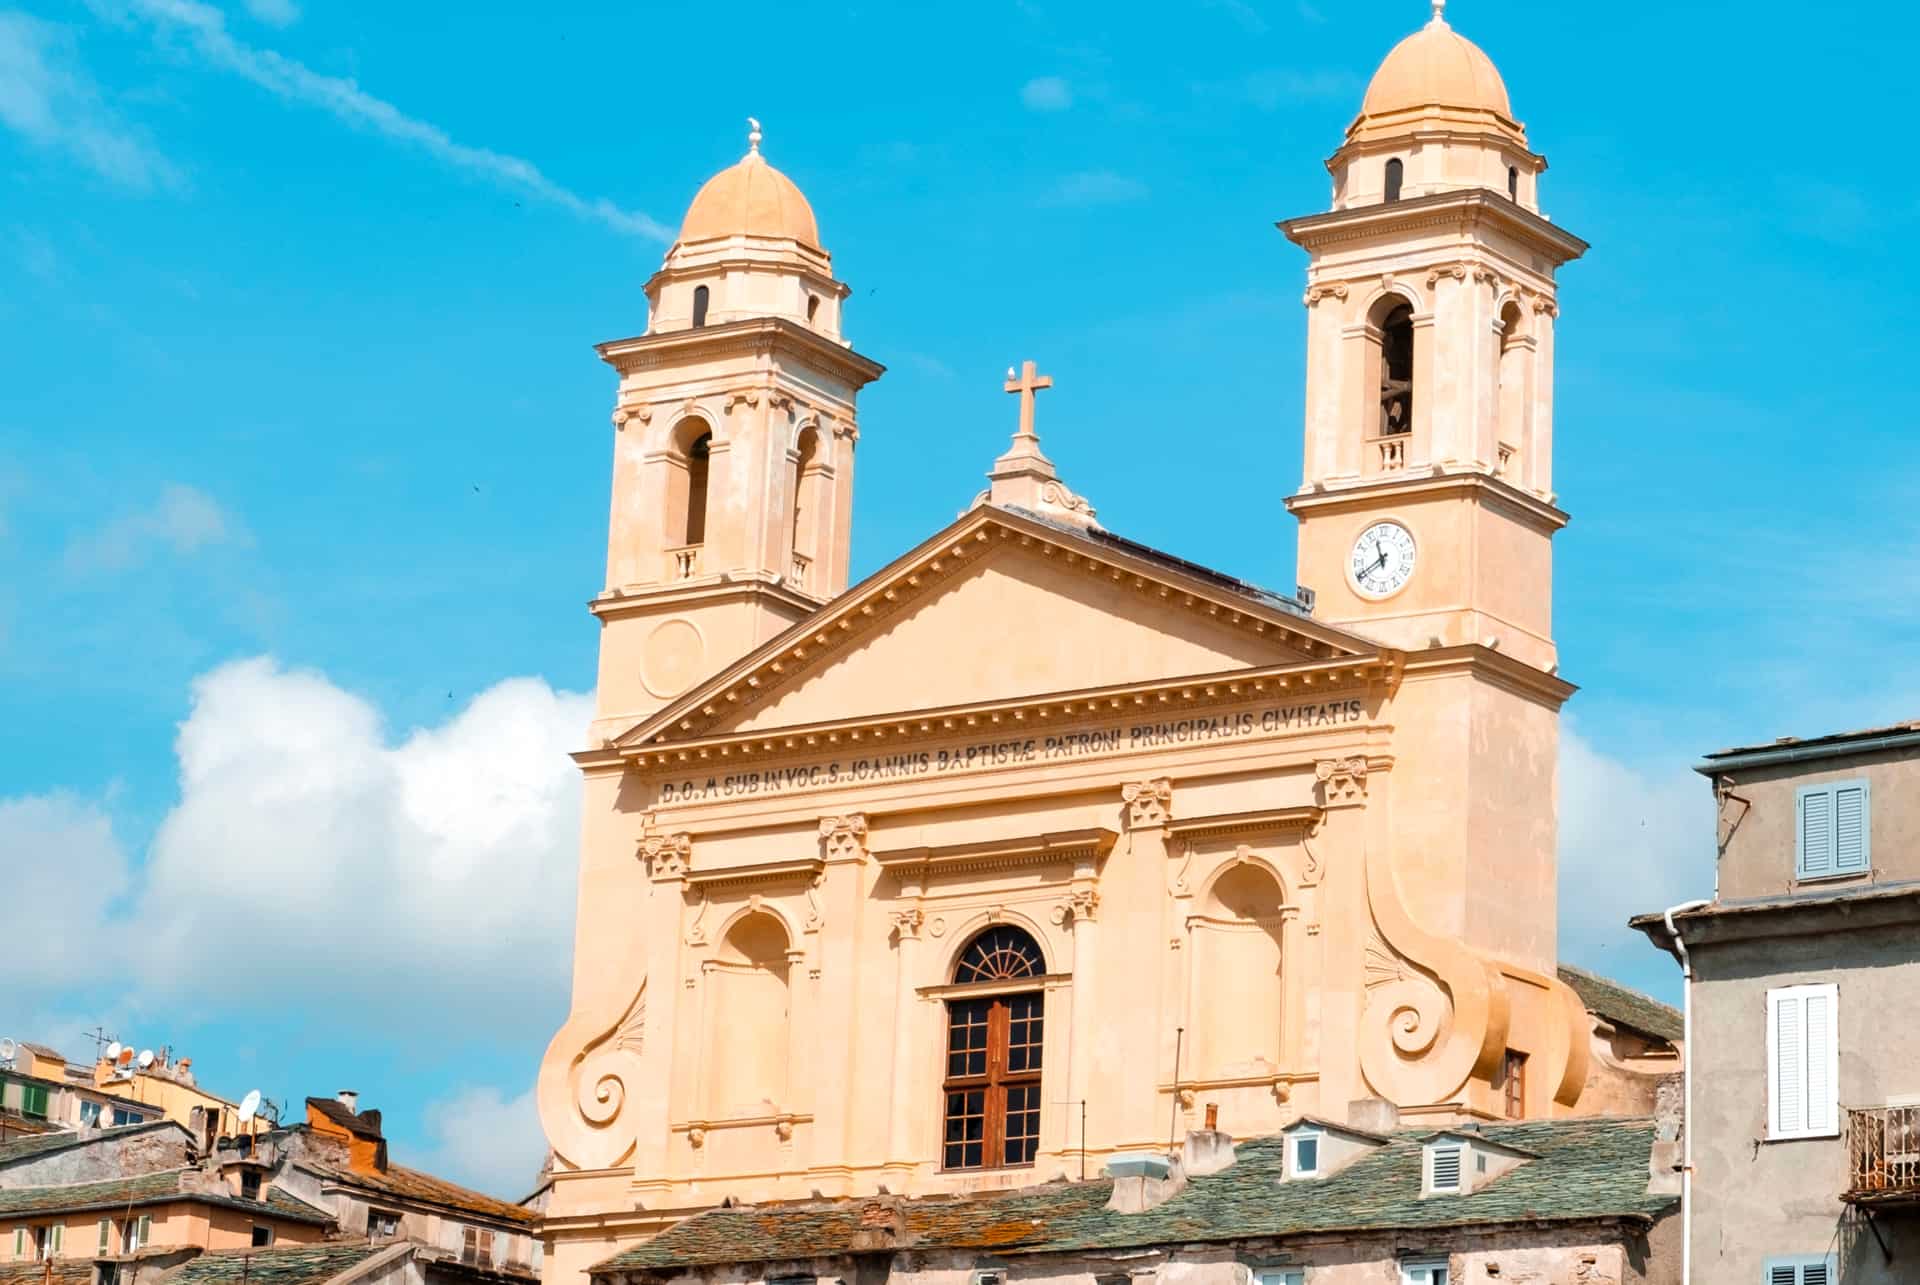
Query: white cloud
1046,94
428,880
49,100
64,871
1632,839
205,29
487,1141
275,13
182,521
1094,187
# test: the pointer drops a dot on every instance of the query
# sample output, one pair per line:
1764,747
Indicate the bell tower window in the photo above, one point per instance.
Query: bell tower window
991,1092
1396,372
700,297
698,455
1396,178
1513,182
1516,355
806,504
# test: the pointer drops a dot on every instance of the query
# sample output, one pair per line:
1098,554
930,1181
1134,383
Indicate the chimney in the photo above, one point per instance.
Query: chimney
1143,1181
1374,1115
350,1099
1206,1150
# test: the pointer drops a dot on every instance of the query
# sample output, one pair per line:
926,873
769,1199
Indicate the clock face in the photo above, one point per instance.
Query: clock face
1382,560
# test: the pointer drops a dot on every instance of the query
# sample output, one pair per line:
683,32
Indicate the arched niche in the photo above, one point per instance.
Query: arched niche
749,1026
1238,999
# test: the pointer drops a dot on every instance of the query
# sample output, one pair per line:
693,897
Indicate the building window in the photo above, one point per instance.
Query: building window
1396,178
1395,357
1803,1062
1833,829
135,1232
249,1186
1803,1270
89,1114
1443,1167
1513,182
1514,1084
700,297
262,1236
813,308
1303,1155
33,1101
1425,1272
123,1116
382,1223
1281,1276
106,1235
476,1246
698,458
992,1085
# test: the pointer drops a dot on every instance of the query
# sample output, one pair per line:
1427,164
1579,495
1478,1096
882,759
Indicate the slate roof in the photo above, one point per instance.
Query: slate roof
1587,1169
414,1184
280,1265
66,1271
1624,1007
46,1143
164,1187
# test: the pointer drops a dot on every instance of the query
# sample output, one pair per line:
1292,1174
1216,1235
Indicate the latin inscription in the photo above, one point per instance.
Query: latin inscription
1019,752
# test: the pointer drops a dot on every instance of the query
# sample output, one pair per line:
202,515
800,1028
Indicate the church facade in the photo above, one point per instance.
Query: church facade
1038,844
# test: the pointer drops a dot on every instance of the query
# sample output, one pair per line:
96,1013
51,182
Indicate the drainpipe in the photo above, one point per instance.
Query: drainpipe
1686,1075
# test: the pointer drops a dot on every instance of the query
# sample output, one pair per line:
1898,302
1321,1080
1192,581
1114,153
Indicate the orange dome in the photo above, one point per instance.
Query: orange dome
1437,67
751,199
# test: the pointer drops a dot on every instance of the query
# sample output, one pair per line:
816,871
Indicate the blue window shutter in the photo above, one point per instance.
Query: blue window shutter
1816,831
1850,822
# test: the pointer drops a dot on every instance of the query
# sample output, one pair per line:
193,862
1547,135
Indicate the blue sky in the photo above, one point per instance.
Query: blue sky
304,452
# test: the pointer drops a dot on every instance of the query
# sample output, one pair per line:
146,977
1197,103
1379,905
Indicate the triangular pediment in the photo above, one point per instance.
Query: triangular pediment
1000,606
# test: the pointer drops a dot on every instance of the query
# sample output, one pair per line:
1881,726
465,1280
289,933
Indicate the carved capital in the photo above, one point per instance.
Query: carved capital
844,838
844,428
1455,271
907,923
667,855
1486,276
783,1129
1316,293
1546,306
750,396
696,1137
1083,904
1343,782
623,414
1149,803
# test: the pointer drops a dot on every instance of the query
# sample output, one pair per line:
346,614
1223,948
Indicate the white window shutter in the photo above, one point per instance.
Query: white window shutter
1816,832
1822,1103
1850,827
59,1236
1787,1062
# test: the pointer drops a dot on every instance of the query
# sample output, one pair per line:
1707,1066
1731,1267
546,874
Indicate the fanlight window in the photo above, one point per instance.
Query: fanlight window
998,955
991,1091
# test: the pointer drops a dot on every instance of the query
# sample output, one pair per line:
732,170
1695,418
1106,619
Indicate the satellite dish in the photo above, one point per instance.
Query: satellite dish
145,1059
249,1106
126,1057
113,1051
7,1049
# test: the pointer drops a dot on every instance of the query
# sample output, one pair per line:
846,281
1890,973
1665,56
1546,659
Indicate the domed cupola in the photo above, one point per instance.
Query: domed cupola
1436,118
749,247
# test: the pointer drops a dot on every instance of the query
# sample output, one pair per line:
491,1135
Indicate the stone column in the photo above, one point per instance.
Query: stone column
1083,906
906,927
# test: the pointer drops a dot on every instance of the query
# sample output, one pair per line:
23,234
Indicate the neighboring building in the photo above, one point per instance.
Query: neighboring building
88,1155
1030,848
1637,1045
170,1209
1806,1014
42,1086
1563,1201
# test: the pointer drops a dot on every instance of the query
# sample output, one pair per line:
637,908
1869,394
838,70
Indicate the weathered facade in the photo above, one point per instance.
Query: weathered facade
1805,991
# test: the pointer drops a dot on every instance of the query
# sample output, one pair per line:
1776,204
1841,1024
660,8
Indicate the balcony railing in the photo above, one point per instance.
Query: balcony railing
1883,1155
801,564
683,563
1391,448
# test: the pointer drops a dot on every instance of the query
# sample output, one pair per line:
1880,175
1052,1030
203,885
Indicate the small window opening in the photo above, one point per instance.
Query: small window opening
1514,1074
1396,372
1443,1168
1396,177
697,462
813,307
1513,182
699,306
262,1236
249,1186
1306,1155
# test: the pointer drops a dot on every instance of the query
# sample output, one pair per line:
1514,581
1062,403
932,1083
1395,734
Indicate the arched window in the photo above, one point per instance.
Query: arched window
1516,356
1396,371
806,501
992,1085
1396,177
700,297
697,460
813,307
1513,182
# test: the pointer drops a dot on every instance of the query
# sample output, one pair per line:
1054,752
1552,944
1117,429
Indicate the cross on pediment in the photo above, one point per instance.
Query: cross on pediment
1027,383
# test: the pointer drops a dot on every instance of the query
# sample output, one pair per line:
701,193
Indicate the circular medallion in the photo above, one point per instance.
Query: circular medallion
671,657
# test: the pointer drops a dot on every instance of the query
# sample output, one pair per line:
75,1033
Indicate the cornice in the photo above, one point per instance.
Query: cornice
1265,821
1531,508
616,604
1494,666
762,873
757,336
826,635
1464,210
1024,716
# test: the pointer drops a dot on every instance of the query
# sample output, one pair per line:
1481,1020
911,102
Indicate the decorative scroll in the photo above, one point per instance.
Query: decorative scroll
582,1098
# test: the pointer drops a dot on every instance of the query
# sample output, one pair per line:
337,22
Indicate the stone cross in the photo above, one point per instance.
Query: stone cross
1027,383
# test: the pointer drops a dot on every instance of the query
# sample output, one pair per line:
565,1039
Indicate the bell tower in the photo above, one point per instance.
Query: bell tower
1428,510
734,433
